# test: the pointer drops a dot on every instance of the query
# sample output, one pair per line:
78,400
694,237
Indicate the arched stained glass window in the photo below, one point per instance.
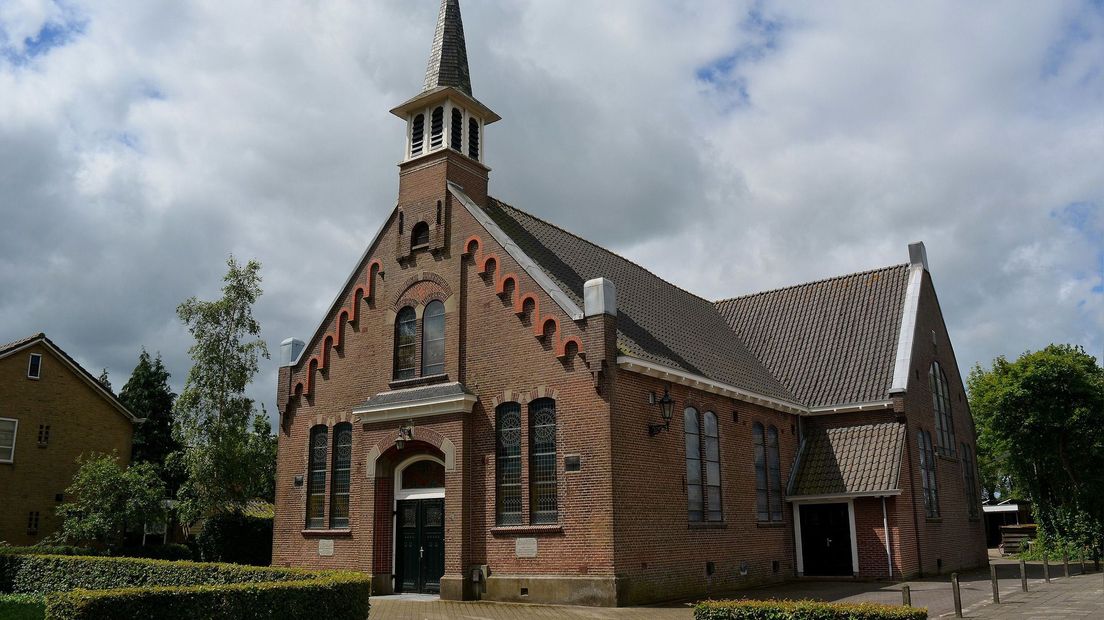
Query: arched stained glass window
928,481
774,474
941,405
340,477
316,477
433,339
417,135
437,128
692,433
712,458
542,462
424,474
762,495
508,464
406,342
970,482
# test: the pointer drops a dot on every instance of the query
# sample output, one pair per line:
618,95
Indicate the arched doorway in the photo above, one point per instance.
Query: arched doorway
419,524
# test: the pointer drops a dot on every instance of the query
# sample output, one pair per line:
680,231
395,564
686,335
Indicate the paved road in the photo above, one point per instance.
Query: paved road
1075,597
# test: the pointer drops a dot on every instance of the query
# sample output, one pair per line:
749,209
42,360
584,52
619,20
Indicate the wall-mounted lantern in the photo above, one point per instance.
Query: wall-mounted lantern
406,433
666,409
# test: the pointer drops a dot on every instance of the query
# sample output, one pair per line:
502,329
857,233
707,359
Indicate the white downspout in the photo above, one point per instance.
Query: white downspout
885,528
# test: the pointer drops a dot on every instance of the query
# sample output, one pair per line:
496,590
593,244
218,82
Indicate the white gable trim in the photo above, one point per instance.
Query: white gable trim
908,330
530,267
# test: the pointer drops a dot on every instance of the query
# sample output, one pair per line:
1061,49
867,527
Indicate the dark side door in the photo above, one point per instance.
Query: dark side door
826,540
420,542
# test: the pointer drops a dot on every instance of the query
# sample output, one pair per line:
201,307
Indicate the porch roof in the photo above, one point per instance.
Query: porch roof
849,461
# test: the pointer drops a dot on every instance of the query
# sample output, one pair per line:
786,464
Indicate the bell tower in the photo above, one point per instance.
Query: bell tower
444,134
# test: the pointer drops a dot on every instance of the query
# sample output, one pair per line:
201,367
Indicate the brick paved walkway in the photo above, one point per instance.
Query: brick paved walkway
387,608
1080,596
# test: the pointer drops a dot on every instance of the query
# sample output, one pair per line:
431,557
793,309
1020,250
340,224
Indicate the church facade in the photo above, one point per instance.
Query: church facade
494,408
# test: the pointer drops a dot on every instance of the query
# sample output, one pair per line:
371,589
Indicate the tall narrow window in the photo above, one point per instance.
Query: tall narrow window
316,481
433,339
437,128
406,341
473,138
339,479
972,497
774,474
417,135
712,453
762,496
542,462
927,474
419,235
34,366
692,432
941,405
43,435
8,428
508,464
457,134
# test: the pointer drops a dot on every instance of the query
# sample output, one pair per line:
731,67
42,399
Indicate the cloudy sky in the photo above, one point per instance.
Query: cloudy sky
728,146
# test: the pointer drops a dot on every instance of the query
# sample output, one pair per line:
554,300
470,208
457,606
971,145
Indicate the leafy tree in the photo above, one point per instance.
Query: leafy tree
1040,423
104,381
104,498
226,463
147,395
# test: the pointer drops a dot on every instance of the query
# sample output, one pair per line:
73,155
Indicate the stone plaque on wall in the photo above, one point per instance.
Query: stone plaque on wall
325,546
525,548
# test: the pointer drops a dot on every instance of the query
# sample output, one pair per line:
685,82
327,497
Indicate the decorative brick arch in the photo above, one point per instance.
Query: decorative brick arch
438,288
523,397
421,433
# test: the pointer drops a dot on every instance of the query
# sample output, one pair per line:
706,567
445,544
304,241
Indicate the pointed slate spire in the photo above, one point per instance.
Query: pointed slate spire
448,59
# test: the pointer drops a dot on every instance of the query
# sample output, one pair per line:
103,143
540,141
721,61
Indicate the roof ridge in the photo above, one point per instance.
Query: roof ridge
602,248
810,282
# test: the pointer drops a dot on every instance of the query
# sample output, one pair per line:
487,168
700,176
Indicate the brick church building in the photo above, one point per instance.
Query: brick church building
496,408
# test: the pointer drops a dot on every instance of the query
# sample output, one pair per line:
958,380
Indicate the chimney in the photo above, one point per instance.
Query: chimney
600,310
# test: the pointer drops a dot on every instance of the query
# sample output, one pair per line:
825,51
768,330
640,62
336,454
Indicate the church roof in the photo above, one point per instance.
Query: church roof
850,460
448,58
832,341
657,321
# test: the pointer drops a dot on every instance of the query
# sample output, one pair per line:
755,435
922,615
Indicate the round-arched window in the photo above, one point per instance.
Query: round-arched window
425,474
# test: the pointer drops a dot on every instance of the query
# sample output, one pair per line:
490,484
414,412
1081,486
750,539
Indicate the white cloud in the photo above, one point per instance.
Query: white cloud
730,147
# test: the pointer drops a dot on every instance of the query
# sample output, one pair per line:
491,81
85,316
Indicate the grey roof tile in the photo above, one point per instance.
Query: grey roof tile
657,321
850,459
448,58
830,342
414,395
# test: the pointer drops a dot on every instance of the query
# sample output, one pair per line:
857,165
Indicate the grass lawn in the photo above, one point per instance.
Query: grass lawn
21,607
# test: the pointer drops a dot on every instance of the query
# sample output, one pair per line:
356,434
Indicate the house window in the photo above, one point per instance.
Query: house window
927,474
316,484
419,236
542,462
406,341
692,435
972,497
43,434
457,129
8,428
433,339
473,138
34,366
508,464
437,128
339,479
768,474
941,404
32,522
417,135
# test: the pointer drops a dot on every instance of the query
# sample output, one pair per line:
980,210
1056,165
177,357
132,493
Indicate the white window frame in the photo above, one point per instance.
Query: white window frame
15,439
29,364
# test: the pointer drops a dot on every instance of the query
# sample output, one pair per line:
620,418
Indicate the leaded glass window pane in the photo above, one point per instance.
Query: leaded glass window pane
542,462
775,471
406,341
712,453
339,479
433,339
424,475
508,464
762,499
941,405
694,504
316,483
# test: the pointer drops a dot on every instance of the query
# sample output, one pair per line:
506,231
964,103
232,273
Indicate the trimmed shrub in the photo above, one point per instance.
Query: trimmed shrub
804,610
49,550
339,596
169,551
44,574
237,538
21,607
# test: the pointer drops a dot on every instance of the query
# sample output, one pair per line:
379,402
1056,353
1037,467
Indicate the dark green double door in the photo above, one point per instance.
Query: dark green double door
420,542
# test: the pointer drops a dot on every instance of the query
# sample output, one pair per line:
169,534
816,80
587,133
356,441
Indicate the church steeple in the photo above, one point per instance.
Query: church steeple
445,115
448,58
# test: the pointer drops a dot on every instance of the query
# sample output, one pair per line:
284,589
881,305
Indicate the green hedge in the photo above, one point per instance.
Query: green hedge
341,596
236,538
22,607
48,550
44,574
804,610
